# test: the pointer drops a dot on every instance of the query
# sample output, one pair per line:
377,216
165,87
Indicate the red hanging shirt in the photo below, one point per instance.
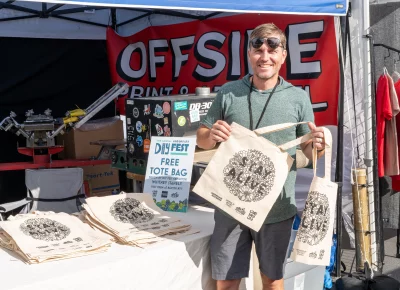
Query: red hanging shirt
396,179
383,113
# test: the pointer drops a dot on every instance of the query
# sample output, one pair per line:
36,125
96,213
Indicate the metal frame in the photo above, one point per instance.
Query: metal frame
54,11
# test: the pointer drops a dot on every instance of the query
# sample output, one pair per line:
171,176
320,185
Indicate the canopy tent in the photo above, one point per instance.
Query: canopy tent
88,20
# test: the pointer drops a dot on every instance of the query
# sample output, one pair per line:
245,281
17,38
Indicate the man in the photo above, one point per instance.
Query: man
256,101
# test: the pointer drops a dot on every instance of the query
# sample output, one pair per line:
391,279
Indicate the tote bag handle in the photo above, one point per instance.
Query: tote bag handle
328,155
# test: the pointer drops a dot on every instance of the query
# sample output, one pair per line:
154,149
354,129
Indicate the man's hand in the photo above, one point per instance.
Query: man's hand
318,139
207,138
220,131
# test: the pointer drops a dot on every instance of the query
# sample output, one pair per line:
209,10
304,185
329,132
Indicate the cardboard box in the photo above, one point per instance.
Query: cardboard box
101,180
77,142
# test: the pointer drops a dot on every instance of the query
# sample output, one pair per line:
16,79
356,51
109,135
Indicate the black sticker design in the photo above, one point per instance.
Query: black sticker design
315,219
130,210
250,175
44,229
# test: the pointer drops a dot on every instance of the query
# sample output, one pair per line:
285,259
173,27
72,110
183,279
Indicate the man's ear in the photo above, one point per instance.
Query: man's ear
284,54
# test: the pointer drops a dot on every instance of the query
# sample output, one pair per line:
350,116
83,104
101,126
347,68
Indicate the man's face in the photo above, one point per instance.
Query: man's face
266,61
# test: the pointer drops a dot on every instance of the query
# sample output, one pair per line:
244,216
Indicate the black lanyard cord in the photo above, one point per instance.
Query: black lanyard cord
265,107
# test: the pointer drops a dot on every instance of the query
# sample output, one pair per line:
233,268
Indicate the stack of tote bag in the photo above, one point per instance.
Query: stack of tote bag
133,219
49,236
247,173
314,237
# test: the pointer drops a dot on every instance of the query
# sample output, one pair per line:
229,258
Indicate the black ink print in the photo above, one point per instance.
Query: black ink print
241,210
78,239
67,242
250,175
216,196
163,220
44,229
321,254
166,225
154,224
229,203
156,228
175,195
313,255
300,252
315,221
251,215
130,210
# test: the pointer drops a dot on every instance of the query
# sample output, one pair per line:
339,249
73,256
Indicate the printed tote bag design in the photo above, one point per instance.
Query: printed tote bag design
247,173
314,237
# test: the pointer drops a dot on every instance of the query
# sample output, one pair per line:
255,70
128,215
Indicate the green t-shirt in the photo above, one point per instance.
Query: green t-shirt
287,105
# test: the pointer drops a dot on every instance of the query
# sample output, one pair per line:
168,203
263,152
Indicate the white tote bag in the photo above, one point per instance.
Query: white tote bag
247,173
314,237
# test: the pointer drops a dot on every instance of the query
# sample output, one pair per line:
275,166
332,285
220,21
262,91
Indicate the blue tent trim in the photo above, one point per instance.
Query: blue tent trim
319,7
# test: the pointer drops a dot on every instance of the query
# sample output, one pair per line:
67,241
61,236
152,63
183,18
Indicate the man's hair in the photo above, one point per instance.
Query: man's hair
267,29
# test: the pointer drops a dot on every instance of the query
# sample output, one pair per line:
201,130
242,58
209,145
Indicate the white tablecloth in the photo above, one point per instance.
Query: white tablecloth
175,265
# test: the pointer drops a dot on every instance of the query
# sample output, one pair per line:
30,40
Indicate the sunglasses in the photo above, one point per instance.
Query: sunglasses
272,42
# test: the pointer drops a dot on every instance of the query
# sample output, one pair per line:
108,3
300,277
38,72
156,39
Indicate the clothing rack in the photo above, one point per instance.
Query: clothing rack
378,213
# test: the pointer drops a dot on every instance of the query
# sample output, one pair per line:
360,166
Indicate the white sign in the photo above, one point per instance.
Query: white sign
169,172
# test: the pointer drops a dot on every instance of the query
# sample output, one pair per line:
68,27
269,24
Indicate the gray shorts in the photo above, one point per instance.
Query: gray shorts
231,244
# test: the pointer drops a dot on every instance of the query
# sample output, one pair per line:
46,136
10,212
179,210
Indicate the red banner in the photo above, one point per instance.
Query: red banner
175,59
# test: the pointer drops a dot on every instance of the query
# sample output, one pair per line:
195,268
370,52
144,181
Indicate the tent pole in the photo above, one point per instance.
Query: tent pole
339,157
370,138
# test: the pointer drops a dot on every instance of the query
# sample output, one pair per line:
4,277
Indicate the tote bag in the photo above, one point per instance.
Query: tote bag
247,173
313,242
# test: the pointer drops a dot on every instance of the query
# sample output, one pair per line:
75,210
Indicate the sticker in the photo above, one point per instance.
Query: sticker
139,141
166,108
131,138
144,128
159,130
180,106
194,116
166,121
128,121
167,131
158,112
146,110
181,121
135,112
139,126
131,148
129,102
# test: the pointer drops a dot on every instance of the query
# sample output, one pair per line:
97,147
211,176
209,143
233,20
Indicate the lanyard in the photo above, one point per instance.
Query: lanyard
265,107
